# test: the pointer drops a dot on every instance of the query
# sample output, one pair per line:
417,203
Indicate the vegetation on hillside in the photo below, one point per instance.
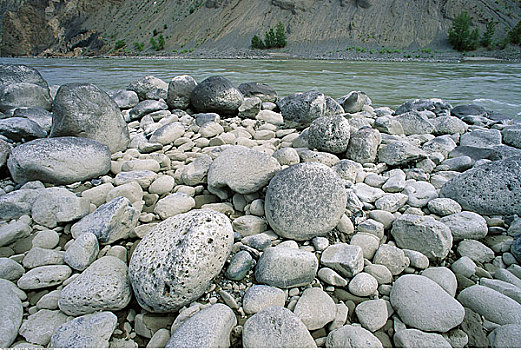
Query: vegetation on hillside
273,39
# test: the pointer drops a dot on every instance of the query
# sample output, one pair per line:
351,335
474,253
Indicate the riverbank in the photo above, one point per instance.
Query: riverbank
198,213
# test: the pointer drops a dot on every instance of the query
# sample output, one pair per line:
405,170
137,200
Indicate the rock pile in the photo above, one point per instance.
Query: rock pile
185,215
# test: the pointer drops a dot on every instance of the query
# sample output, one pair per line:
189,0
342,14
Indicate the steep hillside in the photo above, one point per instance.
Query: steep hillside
77,27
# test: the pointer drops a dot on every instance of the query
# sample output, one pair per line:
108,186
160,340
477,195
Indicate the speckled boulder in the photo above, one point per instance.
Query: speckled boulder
175,263
300,109
179,90
329,134
491,189
104,285
216,94
304,201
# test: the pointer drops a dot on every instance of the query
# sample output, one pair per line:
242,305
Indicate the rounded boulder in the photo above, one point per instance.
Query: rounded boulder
304,201
216,94
329,134
176,262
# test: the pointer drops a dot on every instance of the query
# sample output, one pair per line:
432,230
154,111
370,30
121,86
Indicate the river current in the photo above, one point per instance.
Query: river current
493,85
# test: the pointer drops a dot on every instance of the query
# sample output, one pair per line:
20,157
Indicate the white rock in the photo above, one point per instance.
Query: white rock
352,337
174,204
315,308
372,314
363,284
259,297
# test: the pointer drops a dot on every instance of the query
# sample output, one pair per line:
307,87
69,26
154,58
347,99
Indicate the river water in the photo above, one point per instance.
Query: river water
494,85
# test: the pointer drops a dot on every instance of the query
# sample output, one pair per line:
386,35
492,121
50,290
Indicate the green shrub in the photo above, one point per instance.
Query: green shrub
460,36
119,44
280,35
154,33
257,43
515,34
488,36
139,46
427,50
161,42
270,41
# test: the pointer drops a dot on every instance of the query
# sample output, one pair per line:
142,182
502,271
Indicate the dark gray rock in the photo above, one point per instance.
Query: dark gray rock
506,336
21,129
500,152
490,189
175,263
263,91
329,134
59,160
304,201
240,264
146,107
179,90
124,98
286,267
421,303
470,109
515,249
481,138
83,110
216,94
415,123
149,88
24,95
209,328
512,135
363,145
40,116
353,102
434,105
300,109
20,73
110,222
276,327
333,107
475,153
17,203
89,331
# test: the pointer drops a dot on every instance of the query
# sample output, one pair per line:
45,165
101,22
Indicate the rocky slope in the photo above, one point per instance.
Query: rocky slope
76,27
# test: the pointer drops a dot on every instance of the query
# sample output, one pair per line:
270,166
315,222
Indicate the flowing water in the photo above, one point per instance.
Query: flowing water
494,85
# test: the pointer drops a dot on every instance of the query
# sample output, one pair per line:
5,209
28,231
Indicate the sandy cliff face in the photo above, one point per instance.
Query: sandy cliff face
32,27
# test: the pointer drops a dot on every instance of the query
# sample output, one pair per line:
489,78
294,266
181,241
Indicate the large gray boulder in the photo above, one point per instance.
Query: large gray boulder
300,109
104,285
5,149
512,135
421,303
466,225
24,95
353,102
20,73
149,88
363,145
61,160
175,263
329,134
179,90
21,129
56,205
124,98
11,312
415,123
40,116
216,94
304,201
506,336
89,331
399,153
242,170
434,105
490,189
111,222
83,110
414,338
491,304
209,328
423,234
263,91
276,327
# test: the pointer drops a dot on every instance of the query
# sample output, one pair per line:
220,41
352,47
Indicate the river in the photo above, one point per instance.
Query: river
494,85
